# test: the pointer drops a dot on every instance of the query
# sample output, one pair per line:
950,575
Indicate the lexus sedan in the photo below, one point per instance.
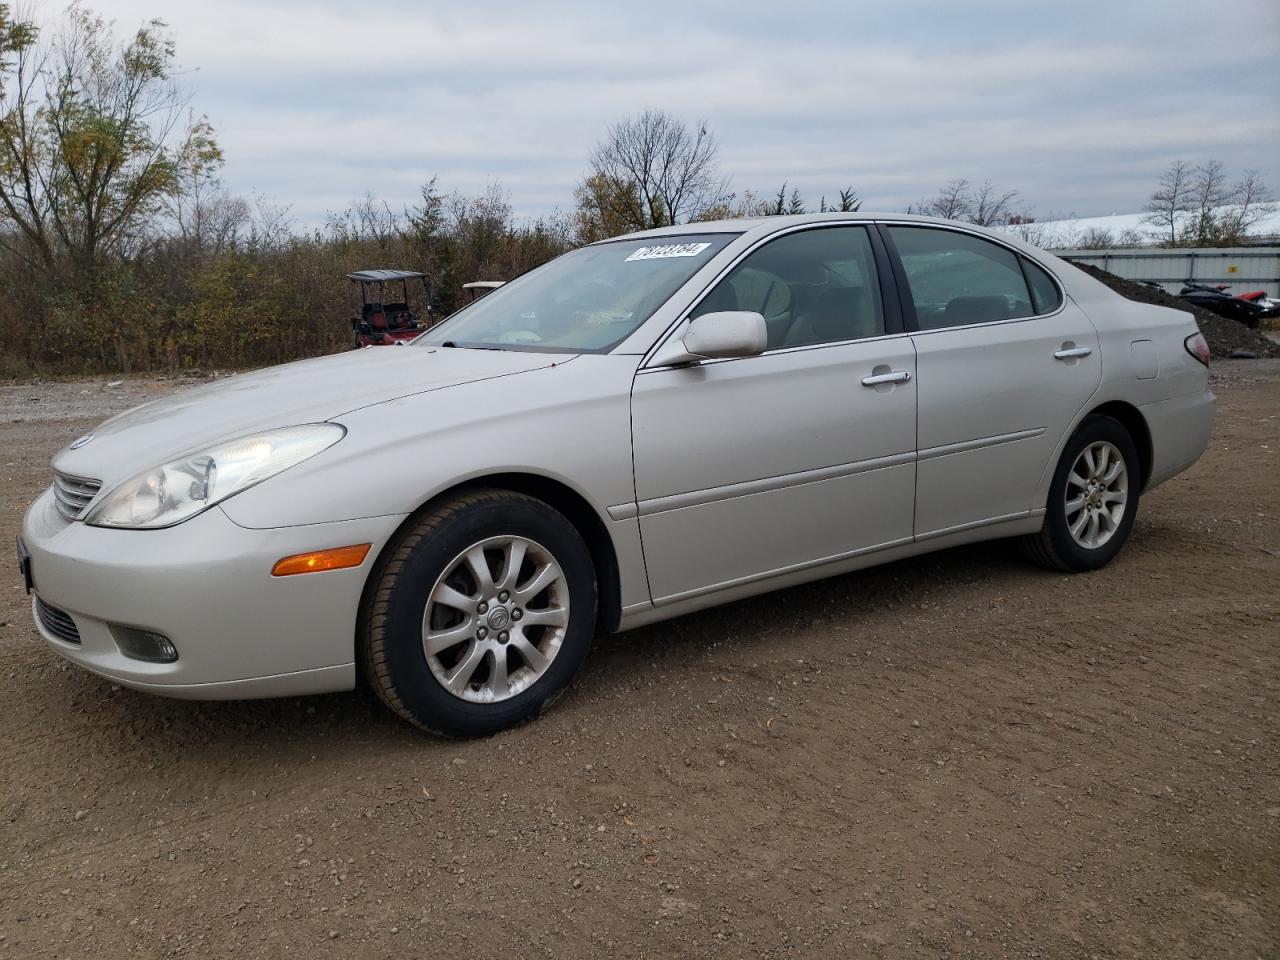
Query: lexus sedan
643,427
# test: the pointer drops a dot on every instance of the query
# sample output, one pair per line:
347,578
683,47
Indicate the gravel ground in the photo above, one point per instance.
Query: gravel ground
44,401
953,756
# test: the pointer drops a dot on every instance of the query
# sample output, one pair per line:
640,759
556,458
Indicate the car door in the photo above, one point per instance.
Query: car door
1005,363
756,466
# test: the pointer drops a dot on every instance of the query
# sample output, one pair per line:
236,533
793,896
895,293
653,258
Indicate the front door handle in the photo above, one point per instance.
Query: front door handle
893,376
1072,353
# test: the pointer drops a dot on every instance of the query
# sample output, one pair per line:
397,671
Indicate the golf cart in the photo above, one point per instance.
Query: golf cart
478,288
382,322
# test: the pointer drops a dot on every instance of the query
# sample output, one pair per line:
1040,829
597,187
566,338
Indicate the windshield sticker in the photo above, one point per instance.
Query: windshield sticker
668,250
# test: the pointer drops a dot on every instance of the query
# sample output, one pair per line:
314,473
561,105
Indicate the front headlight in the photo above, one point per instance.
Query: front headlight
182,488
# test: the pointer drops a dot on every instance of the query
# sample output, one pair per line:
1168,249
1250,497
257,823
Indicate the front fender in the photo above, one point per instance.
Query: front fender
571,425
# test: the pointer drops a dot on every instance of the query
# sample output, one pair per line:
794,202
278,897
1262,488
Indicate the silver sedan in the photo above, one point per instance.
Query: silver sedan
643,427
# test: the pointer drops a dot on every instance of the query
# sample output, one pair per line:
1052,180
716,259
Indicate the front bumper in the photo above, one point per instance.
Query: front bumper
205,584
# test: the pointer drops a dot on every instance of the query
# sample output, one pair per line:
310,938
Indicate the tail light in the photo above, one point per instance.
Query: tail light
1198,347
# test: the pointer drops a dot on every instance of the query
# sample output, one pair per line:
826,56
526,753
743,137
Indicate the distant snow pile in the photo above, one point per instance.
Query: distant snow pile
1117,230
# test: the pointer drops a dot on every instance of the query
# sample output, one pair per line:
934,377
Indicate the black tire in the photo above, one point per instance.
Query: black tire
1054,547
389,631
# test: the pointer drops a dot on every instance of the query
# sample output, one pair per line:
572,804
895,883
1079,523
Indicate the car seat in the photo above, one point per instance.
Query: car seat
723,297
962,310
840,313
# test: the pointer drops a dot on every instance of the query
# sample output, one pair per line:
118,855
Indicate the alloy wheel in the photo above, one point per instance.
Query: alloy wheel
495,619
1096,495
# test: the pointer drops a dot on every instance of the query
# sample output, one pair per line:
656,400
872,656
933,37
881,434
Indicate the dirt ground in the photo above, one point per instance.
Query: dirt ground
955,756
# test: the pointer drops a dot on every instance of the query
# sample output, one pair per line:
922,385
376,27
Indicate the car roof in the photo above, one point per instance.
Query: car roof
770,224
744,224
382,276
755,228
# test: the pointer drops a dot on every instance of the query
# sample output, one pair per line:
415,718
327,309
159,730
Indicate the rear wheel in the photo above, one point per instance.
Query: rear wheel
1093,499
479,615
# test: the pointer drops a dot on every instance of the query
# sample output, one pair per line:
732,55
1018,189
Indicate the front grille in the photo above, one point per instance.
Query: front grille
73,494
58,622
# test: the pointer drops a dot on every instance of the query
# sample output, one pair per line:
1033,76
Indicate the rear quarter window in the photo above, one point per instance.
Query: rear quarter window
1045,295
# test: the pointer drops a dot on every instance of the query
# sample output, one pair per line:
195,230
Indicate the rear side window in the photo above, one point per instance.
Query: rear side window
1044,292
957,279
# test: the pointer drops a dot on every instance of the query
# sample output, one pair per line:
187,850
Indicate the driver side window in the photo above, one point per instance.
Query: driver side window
813,286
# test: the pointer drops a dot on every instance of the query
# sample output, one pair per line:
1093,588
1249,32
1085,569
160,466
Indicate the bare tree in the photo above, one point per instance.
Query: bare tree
1251,202
952,202
1170,202
92,139
207,217
367,222
1210,191
1096,238
202,214
270,224
986,205
1129,237
480,221
990,205
1198,205
1037,234
654,170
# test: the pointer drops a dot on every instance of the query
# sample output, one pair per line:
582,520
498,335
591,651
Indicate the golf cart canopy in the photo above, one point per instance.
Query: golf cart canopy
483,285
383,276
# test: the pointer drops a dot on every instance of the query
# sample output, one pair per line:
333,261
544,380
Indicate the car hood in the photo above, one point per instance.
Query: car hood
308,391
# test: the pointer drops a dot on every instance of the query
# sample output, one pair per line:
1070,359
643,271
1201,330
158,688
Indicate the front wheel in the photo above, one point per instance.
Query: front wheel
1093,499
479,614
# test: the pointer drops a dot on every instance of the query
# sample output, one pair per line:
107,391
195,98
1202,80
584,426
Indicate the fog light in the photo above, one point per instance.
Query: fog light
144,644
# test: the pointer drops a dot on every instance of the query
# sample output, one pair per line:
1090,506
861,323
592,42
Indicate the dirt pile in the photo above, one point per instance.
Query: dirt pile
1223,335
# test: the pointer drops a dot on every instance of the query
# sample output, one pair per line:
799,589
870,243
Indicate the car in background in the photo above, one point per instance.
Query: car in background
643,427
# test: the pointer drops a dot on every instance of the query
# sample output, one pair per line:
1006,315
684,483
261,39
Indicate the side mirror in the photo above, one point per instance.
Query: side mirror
717,336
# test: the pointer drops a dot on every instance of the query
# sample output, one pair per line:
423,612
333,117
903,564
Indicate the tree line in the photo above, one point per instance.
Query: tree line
1199,205
121,249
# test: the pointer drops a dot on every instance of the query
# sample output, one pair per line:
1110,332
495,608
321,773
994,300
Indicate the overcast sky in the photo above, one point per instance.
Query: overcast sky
1078,105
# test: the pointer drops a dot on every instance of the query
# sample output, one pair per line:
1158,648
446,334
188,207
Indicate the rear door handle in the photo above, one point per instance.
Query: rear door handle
1072,353
894,376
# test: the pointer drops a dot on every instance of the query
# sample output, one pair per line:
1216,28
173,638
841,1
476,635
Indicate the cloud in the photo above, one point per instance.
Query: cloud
1078,106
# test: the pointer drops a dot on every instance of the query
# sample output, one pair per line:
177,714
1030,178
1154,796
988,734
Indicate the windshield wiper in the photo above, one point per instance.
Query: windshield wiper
472,346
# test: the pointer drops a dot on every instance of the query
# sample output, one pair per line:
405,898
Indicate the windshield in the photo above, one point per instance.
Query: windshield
587,301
